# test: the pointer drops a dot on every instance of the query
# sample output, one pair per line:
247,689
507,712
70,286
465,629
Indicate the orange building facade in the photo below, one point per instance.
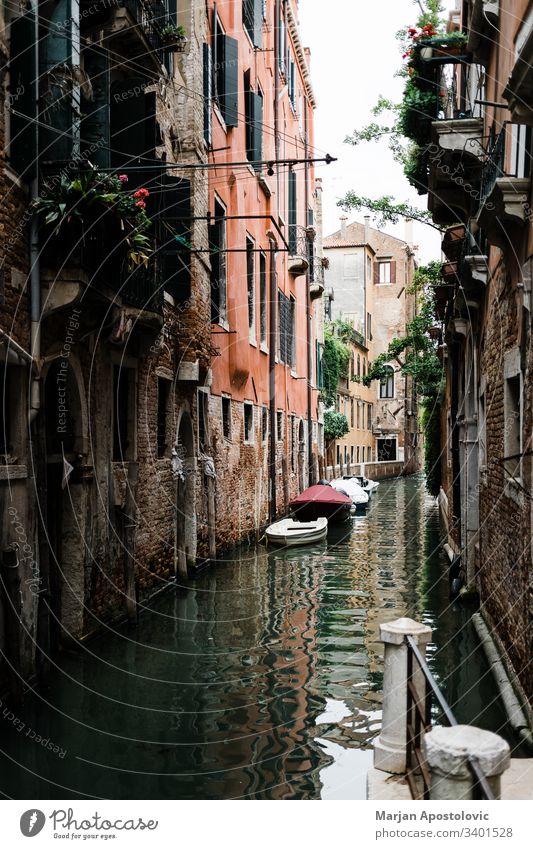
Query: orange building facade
262,411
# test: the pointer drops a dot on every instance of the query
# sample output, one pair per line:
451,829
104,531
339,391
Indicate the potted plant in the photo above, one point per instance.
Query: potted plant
173,37
80,200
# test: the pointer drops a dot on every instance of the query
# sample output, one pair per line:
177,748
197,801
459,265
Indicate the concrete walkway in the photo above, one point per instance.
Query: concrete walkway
517,783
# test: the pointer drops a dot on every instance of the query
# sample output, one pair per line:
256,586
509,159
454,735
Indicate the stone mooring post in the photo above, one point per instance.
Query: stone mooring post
390,746
447,750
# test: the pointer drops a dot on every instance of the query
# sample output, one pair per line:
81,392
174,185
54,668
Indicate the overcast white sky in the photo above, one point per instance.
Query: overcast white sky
354,56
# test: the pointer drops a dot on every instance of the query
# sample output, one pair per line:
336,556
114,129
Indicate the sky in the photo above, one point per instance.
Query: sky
354,57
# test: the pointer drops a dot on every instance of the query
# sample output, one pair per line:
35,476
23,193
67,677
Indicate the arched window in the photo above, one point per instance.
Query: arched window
386,385
364,368
358,365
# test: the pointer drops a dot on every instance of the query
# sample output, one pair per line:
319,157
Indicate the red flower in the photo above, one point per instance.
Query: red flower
411,31
141,193
123,178
141,204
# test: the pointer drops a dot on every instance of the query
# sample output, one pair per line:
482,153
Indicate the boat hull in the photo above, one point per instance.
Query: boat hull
291,533
310,511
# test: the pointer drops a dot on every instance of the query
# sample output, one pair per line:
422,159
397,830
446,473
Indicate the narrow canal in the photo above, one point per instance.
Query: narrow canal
260,680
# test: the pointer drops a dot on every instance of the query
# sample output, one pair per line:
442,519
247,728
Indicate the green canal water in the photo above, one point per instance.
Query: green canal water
262,679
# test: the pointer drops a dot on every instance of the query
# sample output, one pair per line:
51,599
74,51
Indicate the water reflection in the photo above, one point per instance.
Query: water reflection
262,680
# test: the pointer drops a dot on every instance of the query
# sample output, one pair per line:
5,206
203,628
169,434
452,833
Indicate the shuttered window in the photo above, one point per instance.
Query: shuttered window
174,225
217,246
286,312
226,74
250,282
293,213
22,74
254,123
55,98
95,126
252,19
134,131
208,93
263,331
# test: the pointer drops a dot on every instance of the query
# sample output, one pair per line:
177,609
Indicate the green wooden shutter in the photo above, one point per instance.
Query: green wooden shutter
133,130
208,93
258,22
230,96
22,74
257,126
214,246
56,144
174,227
293,213
95,130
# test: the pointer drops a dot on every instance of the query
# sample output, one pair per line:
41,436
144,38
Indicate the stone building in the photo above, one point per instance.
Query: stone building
101,355
369,275
263,415
479,182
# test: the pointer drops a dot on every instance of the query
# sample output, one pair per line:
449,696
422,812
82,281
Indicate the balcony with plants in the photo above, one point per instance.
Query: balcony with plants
300,246
95,234
504,199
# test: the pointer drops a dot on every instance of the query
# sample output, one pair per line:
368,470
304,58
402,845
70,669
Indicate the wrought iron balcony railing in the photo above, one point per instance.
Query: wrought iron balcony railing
493,167
149,15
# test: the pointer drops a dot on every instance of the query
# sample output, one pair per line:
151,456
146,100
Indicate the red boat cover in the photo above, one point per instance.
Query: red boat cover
322,495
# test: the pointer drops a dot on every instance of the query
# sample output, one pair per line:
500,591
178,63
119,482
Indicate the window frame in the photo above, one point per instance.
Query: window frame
248,406
225,411
387,385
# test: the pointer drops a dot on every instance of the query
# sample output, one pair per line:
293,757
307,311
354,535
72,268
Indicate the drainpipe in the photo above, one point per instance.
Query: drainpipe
35,276
272,377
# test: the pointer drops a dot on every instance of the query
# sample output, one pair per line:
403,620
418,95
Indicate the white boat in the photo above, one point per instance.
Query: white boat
291,532
365,483
353,490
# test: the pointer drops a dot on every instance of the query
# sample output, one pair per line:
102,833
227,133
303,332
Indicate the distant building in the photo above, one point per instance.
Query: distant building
368,279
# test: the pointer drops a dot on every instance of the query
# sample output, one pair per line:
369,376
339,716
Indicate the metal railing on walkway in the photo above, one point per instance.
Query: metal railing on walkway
419,721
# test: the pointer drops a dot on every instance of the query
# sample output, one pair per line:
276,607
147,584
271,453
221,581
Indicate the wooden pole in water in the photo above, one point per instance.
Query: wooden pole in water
130,525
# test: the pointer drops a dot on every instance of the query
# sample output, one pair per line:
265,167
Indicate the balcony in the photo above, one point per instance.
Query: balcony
316,279
519,89
138,24
78,263
504,198
482,25
300,245
456,152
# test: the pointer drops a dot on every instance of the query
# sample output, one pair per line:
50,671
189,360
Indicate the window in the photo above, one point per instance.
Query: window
292,84
351,454
217,246
250,279
226,417
225,55
279,425
203,407
10,412
386,385
369,327
358,455
385,272
252,19
282,36
208,93
513,425
364,368
163,387
352,413
248,422
263,318
264,423
386,450
352,366
358,365
286,312
369,454
253,103
338,455
293,214
292,439
123,413
369,416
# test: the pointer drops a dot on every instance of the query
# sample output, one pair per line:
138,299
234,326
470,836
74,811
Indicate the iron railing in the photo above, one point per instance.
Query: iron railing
298,241
493,167
150,15
419,721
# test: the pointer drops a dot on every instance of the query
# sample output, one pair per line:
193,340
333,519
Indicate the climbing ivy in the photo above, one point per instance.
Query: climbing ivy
335,359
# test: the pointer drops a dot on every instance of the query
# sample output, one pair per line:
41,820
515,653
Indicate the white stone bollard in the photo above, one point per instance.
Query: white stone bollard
446,751
390,746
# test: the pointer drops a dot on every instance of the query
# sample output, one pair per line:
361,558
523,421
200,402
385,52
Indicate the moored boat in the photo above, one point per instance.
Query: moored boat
291,532
365,483
318,501
350,487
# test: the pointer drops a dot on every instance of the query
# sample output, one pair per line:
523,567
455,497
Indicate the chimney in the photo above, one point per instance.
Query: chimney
367,229
409,231
344,219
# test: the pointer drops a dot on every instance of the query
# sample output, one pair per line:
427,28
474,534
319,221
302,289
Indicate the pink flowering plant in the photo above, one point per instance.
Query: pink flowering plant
73,199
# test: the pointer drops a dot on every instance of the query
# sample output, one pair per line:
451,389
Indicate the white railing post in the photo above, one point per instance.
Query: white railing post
447,750
390,746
